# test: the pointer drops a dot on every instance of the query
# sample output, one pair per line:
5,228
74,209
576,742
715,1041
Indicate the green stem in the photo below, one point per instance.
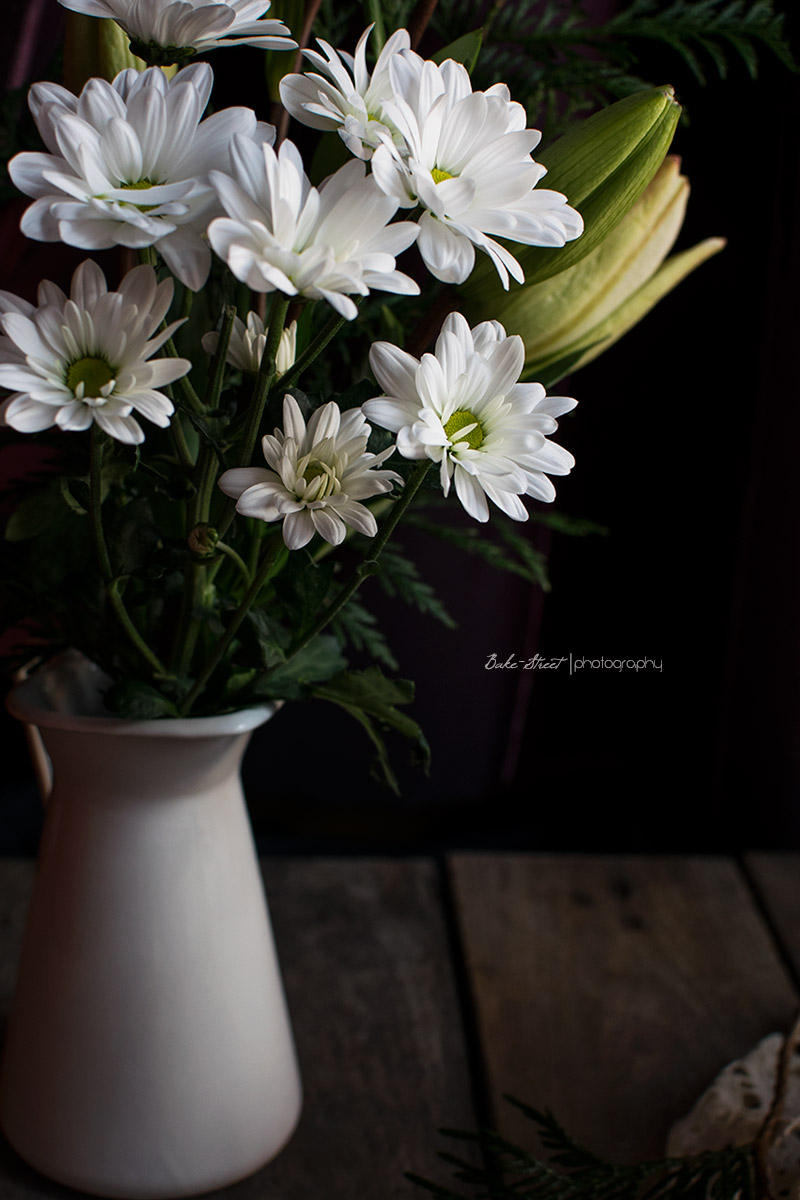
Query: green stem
365,568
195,581
217,372
96,501
312,351
188,629
265,377
224,548
264,380
189,625
189,394
271,564
179,442
112,585
384,505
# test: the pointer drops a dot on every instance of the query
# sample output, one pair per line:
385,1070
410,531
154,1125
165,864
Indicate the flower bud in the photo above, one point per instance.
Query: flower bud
570,318
203,540
603,165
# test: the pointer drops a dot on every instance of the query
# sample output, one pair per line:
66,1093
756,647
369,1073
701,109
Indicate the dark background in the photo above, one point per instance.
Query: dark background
686,439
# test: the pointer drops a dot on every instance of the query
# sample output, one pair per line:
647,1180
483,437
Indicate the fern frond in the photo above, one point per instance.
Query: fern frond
398,576
358,628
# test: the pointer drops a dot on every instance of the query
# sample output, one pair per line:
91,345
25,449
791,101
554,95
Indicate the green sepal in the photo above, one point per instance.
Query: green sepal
162,56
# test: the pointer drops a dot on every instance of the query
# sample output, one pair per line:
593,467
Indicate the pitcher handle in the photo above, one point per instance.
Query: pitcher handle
40,759
42,767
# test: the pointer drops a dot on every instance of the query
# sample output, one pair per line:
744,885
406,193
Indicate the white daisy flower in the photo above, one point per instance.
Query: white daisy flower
463,408
350,100
247,342
129,164
318,476
181,28
282,234
466,158
88,358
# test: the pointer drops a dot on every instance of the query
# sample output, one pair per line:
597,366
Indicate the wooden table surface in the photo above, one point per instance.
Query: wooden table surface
610,990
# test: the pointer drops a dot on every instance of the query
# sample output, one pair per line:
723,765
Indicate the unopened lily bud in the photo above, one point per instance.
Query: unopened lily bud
603,164
570,318
203,540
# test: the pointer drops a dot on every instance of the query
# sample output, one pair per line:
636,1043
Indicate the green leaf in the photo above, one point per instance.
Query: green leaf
464,49
75,492
34,515
372,700
237,682
320,660
262,640
355,396
139,701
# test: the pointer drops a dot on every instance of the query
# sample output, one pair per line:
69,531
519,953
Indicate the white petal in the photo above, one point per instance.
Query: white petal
298,529
471,495
239,479
448,255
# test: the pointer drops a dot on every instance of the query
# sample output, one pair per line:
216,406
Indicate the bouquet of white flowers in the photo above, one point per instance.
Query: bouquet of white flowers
204,534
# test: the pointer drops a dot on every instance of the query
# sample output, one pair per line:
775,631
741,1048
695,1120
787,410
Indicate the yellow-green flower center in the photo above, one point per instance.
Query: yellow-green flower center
439,176
321,481
460,420
139,186
93,373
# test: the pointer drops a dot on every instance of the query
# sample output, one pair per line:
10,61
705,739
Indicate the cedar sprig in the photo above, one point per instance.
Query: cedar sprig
572,1172
563,63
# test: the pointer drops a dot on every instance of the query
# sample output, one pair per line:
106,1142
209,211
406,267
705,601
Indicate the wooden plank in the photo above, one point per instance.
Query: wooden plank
612,990
381,1049
776,878
365,962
